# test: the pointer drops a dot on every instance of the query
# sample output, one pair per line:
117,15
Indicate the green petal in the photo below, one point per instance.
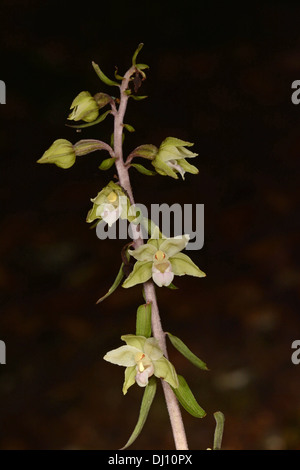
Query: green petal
152,349
141,273
162,168
83,95
172,246
129,378
134,341
186,166
123,356
182,264
165,370
143,252
176,142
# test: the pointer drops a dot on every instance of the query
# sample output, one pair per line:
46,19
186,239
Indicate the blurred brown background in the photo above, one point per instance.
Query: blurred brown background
219,77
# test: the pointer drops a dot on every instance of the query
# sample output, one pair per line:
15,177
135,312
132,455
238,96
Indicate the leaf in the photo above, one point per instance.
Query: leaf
186,352
103,77
220,419
143,320
147,400
107,164
142,66
143,170
140,46
116,283
129,127
138,97
187,399
93,123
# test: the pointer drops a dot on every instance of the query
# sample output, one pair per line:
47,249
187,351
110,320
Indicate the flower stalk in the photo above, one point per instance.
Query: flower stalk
149,289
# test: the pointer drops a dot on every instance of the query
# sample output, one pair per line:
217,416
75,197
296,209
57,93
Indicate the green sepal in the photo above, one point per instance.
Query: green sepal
218,435
186,352
89,124
140,46
143,320
107,163
103,77
186,398
143,170
114,286
147,400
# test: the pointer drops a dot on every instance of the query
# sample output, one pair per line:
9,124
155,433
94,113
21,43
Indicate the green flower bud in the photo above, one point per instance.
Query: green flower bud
142,358
61,153
171,158
85,108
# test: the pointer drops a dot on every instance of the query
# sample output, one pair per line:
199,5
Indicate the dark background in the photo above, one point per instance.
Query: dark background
220,76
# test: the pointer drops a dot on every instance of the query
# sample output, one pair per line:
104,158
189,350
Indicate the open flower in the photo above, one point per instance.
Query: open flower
84,108
142,358
161,259
171,158
61,153
109,205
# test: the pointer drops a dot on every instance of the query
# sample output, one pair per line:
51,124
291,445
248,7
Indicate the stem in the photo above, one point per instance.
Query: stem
158,333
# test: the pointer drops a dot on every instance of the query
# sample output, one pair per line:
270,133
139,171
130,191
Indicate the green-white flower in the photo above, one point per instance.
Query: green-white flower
171,158
142,358
84,108
61,153
161,259
109,205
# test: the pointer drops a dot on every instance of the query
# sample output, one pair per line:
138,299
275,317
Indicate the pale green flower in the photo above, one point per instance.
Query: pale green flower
161,259
85,108
142,358
171,158
109,205
61,153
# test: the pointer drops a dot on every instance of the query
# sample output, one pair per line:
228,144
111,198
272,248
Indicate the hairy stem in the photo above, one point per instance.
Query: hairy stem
158,333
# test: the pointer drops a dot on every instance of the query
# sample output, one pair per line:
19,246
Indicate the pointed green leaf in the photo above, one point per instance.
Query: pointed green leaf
220,419
186,352
143,170
142,66
187,399
129,127
138,97
89,124
116,283
140,46
143,320
107,164
147,400
103,77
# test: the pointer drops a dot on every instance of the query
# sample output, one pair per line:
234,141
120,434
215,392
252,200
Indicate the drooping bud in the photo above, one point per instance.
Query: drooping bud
84,108
61,153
